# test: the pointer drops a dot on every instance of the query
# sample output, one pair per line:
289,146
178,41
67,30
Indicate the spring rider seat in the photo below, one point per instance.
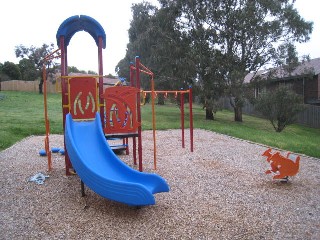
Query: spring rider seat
283,167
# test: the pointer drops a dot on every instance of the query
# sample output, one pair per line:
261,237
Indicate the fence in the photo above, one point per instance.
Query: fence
309,117
26,86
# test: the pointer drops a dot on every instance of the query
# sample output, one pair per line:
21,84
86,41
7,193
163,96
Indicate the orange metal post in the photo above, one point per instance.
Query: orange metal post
54,54
191,119
139,113
100,62
153,125
182,117
46,119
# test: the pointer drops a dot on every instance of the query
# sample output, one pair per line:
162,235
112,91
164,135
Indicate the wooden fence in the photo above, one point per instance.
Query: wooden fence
309,117
26,86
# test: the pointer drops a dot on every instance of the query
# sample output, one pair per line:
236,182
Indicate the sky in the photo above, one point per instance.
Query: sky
35,22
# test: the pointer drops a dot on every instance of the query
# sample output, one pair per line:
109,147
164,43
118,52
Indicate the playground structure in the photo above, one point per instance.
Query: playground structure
90,116
51,56
181,92
120,104
135,78
282,166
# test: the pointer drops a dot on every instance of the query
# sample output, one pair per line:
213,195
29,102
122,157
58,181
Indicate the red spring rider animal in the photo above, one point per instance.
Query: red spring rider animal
281,166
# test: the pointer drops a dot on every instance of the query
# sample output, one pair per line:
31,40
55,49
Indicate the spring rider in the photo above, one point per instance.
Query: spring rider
282,166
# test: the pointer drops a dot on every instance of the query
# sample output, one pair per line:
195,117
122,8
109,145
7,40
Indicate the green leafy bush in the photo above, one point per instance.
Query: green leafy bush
280,107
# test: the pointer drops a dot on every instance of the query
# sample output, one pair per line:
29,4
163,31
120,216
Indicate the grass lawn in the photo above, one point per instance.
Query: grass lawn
22,115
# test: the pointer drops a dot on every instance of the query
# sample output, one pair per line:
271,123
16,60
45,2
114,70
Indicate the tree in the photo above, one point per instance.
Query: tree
140,41
8,71
110,76
243,34
280,107
170,53
154,36
122,68
36,56
73,69
92,72
28,70
11,70
207,71
2,76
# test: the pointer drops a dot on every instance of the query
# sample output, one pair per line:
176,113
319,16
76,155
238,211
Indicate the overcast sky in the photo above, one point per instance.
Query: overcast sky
35,22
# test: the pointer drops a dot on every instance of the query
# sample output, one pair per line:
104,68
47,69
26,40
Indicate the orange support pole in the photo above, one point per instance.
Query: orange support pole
139,113
134,143
64,97
100,63
51,56
46,119
191,119
182,117
153,125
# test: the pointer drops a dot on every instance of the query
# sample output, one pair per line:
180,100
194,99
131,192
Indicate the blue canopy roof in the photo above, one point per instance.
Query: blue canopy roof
80,23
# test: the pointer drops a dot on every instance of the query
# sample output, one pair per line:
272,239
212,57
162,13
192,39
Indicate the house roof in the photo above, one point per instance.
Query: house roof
306,67
106,80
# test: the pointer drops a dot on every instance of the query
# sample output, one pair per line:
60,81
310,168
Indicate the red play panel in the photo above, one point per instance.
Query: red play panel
83,97
121,109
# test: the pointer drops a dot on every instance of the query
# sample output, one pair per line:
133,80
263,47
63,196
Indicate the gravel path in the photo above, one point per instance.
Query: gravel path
219,191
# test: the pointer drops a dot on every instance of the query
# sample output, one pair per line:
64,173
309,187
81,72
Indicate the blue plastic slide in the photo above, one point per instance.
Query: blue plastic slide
102,171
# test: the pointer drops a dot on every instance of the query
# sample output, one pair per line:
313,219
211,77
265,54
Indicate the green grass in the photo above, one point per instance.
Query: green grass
294,138
22,115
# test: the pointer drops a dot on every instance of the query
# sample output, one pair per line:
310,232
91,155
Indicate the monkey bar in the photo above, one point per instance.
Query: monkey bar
135,79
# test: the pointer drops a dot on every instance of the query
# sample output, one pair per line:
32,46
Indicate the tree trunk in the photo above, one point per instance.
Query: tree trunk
160,99
238,114
209,114
40,87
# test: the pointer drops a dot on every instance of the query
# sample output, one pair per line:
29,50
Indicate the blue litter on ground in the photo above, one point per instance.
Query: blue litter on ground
39,178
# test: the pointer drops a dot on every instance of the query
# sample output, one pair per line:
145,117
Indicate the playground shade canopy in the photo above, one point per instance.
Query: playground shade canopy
77,23
102,171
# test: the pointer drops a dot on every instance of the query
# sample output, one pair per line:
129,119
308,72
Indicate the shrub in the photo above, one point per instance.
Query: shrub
280,107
